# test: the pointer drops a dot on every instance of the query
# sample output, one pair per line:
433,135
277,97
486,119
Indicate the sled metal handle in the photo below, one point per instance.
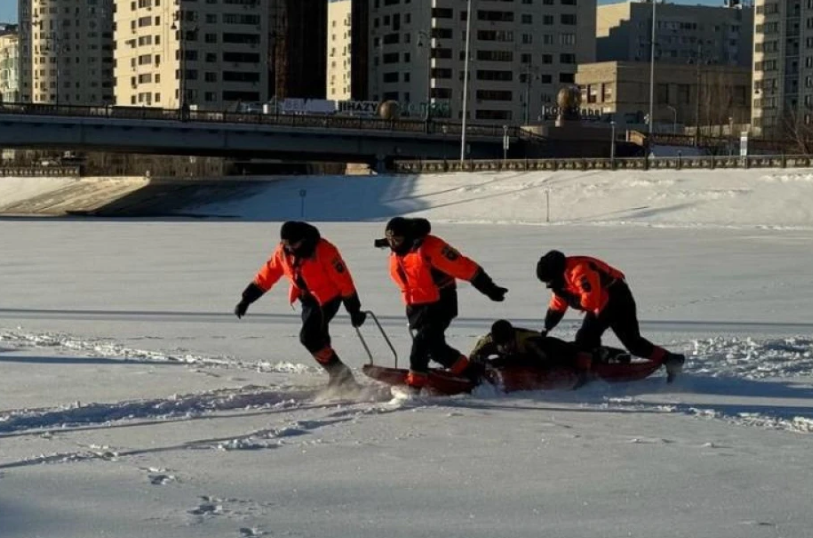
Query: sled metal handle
383,333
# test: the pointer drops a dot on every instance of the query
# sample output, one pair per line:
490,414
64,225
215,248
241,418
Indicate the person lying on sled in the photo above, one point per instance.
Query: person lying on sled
514,346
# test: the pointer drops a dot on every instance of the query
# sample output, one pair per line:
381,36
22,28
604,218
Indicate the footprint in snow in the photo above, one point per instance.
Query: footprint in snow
210,507
250,533
160,479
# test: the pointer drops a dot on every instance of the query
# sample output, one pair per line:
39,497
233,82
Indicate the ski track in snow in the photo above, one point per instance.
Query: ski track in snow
751,363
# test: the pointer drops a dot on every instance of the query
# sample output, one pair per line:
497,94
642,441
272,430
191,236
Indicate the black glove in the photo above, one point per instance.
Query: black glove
497,294
483,283
353,306
250,294
357,319
552,319
241,309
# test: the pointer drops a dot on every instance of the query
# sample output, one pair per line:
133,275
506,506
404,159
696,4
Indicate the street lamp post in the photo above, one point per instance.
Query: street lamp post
529,71
652,70
612,141
55,46
698,60
674,118
178,25
505,142
445,130
466,81
425,38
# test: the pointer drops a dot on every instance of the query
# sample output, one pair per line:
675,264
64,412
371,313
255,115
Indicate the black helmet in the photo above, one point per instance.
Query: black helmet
502,331
551,267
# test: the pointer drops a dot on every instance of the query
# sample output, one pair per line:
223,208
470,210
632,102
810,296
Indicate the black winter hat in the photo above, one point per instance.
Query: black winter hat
551,266
399,227
502,331
293,231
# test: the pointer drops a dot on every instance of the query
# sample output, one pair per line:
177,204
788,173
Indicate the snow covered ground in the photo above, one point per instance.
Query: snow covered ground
134,404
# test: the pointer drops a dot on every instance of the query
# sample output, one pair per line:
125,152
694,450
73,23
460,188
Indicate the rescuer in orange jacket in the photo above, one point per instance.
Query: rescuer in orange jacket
424,267
594,287
321,281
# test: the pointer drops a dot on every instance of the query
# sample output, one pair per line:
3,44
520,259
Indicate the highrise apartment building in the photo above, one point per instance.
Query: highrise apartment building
782,100
214,55
300,32
66,51
348,52
521,53
203,55
9,64
339,49
683,33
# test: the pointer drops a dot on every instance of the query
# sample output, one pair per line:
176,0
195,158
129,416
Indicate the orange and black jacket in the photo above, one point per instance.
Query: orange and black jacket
324,275
321,275
430,266
584,287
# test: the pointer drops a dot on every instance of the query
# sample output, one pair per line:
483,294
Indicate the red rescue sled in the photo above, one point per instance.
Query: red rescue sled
507,378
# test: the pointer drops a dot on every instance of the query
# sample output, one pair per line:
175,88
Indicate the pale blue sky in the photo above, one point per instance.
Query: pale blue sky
8,8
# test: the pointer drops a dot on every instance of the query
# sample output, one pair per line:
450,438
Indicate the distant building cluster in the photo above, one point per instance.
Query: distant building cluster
734,64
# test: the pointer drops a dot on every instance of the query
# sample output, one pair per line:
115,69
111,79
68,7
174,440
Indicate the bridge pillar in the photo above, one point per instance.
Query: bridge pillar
380,166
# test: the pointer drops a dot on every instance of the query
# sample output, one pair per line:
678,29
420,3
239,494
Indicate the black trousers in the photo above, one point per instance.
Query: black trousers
430,321
315,334
621,316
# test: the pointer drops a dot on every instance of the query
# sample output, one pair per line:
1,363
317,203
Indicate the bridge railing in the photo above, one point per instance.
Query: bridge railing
440,127
636,163
40,171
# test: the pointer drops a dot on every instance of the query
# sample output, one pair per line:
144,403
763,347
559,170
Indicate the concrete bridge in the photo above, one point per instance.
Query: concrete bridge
291,137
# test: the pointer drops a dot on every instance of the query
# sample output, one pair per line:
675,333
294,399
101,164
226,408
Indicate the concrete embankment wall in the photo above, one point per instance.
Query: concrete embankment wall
119,196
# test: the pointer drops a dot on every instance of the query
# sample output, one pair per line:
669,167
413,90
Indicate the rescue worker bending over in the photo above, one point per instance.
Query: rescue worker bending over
594,287
424,267
321,282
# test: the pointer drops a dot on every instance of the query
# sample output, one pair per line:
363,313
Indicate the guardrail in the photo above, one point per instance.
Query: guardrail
40,171
434,127
635,163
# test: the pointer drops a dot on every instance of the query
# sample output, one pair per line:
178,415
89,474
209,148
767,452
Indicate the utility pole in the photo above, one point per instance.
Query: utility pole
469,16
426,39
178,26
698,60
529,70
652,71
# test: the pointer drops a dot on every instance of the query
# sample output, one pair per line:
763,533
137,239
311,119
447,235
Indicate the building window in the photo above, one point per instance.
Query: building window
662,94
493,115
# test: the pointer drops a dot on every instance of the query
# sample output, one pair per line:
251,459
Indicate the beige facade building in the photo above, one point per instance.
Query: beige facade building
66,51
782,97
9,64
521,53
708,95
217,55
339,68
209,56
684,33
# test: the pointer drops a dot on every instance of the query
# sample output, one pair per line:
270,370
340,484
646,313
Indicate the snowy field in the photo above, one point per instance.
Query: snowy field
134,404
